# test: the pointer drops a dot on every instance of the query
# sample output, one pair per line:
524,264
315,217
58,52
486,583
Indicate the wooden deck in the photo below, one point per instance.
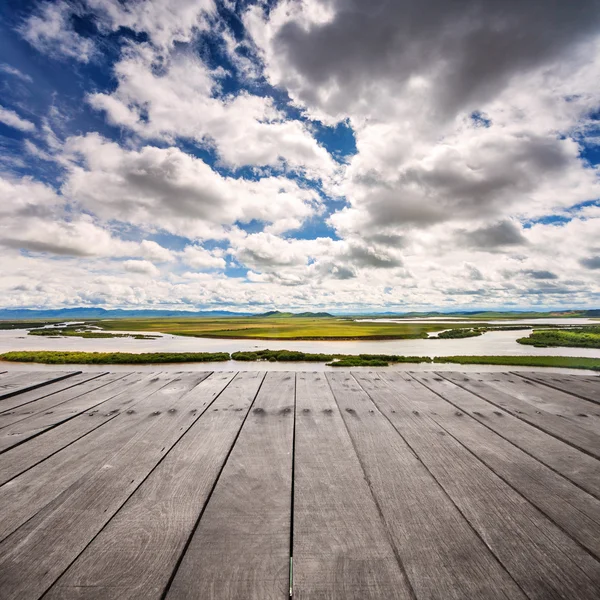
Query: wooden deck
343,485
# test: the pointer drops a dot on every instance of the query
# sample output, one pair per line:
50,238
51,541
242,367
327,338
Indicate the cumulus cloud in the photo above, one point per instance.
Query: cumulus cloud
471,122
177,98
355,56
167,189
141,267
201,259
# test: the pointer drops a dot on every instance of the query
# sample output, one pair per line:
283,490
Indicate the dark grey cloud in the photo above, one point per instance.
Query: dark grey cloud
468,47
498,235
540,274
593,262
369,257
40,246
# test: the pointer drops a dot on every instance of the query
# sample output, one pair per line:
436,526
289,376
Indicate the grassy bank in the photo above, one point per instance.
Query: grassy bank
576,337
112,358
456,334
335,360
72,331
565,362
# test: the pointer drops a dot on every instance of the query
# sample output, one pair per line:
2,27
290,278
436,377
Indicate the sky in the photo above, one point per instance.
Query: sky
341,155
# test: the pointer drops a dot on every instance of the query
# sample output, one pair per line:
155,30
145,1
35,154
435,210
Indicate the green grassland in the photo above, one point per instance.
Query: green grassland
53,357
279,328
361,360
82,332
575,337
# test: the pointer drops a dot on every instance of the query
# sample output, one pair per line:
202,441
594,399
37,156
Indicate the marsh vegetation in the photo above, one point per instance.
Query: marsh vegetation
575,337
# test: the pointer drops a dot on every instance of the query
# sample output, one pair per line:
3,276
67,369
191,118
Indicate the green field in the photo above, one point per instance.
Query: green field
53,357
82,332
336,360
576,337
279,328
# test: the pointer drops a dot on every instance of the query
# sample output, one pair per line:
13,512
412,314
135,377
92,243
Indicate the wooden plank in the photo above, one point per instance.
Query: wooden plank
585,388
340,546
543,560
65,406
27,402
441,553
133,389
575,511
42,484
559,427
240,548
21,382
136,553
582,412
59,393
40,551
580,468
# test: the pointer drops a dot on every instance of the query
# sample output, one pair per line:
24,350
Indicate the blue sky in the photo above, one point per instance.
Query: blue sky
299,154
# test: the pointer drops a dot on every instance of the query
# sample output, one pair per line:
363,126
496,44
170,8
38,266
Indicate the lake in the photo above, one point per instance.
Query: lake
491,343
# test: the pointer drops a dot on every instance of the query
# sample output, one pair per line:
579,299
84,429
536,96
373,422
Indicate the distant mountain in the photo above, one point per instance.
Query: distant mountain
67,314
277,313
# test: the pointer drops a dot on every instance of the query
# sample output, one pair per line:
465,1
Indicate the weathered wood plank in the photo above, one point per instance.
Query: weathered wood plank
132,389
559,427
441,553
135,555
63,390
12,409
41,550
21,382
42,484
575,511
587,388
74,402
582,412
542,559
578,467
340,547
240,548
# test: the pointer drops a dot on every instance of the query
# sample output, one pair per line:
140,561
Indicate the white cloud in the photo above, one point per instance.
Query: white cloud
12,119
49,30
9,70
201,259
174,98
167,189
141,267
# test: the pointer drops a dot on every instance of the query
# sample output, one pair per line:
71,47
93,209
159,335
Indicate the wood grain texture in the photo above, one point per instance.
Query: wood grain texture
137,552
575,511
57,408
542,559
133,389
19,383
587,388
580,468
41,550
47,396
63,391
582,412
43,483
441,553
559,427
240,548
341,548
